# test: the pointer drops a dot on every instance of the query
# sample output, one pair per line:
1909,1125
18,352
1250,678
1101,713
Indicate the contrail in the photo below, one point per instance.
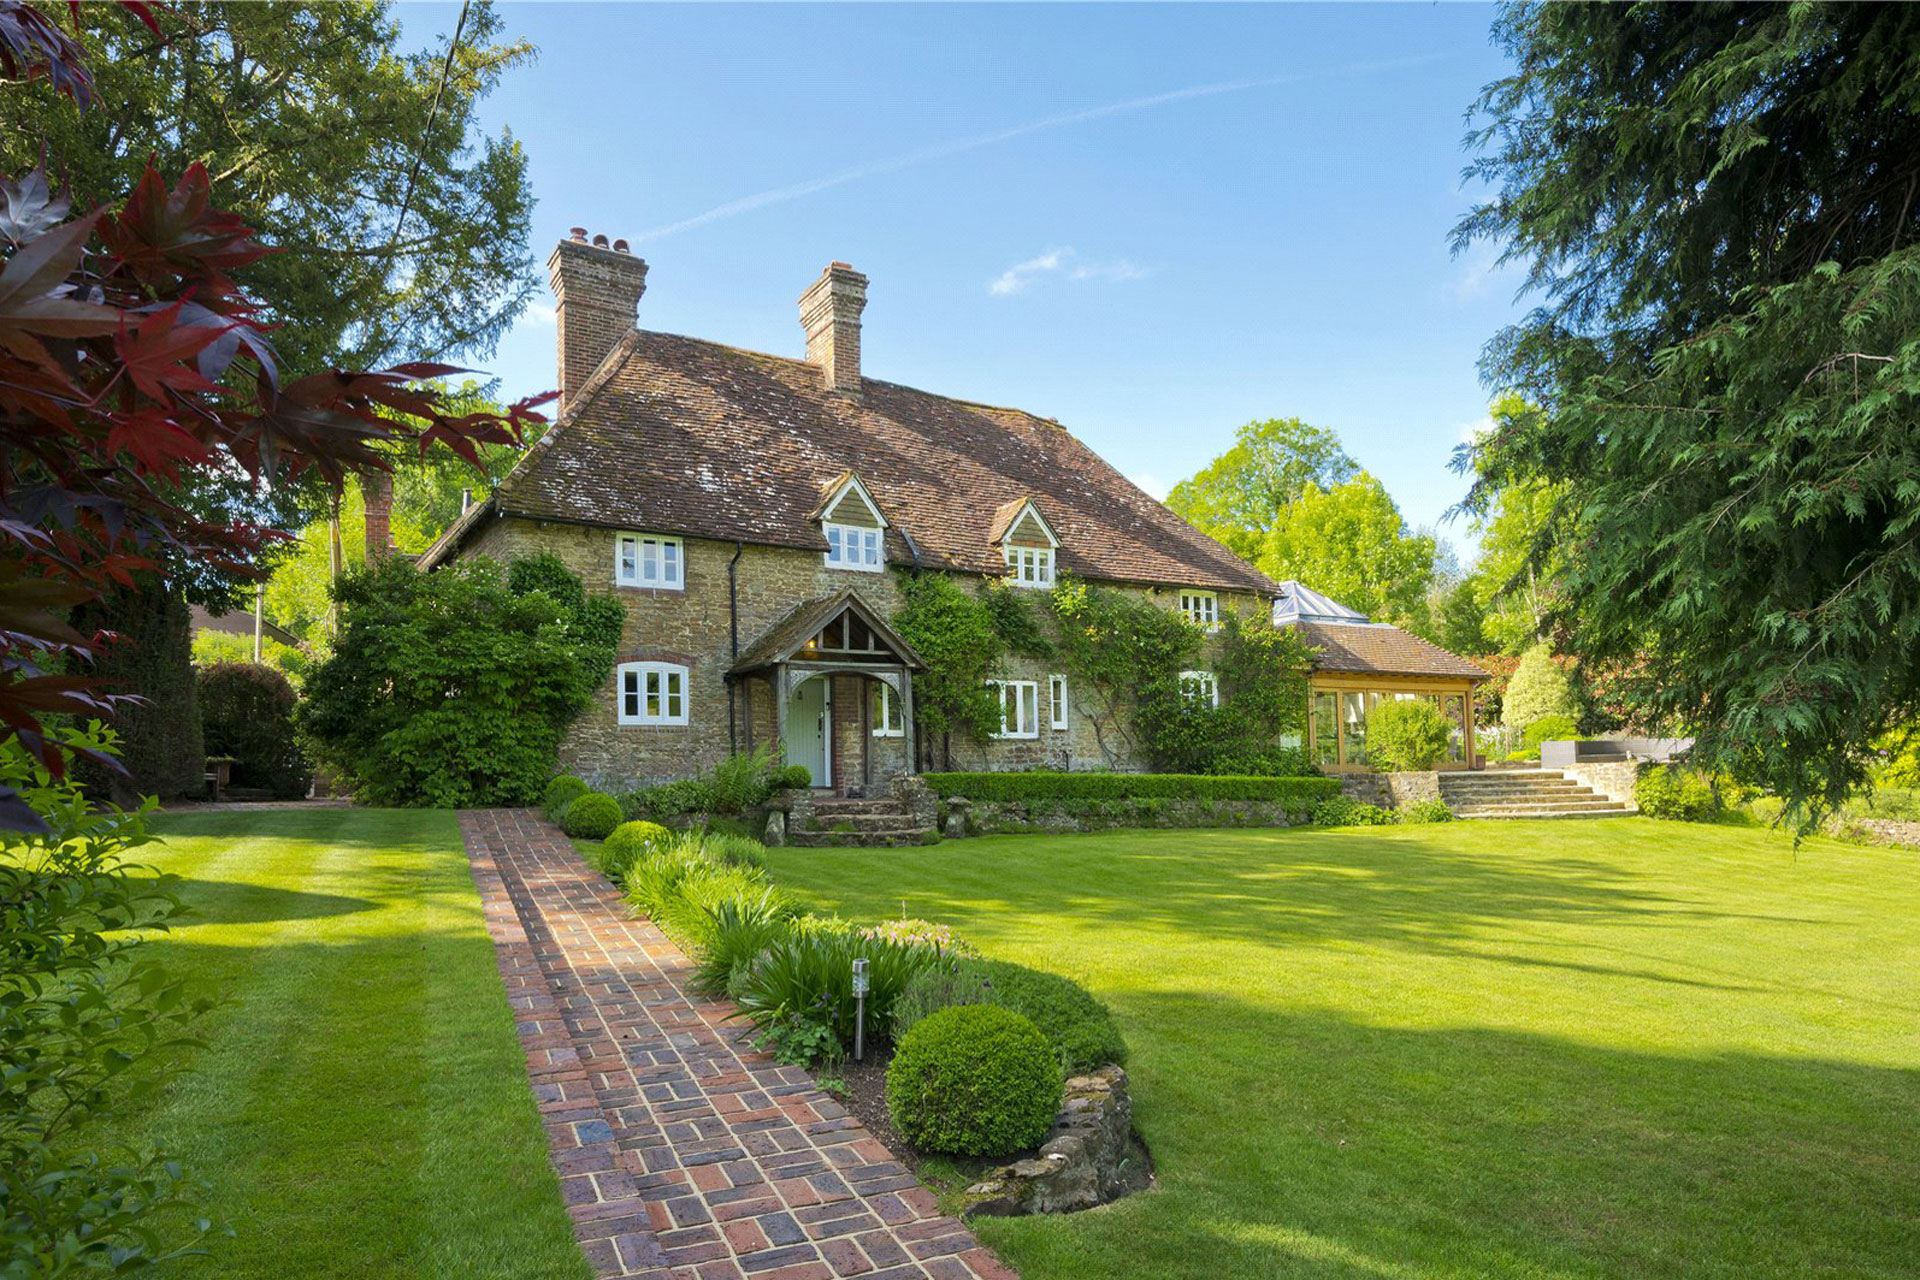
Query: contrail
955,146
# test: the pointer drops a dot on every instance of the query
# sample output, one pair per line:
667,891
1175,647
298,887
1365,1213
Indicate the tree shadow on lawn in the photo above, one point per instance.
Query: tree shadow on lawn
1305,1143
222,902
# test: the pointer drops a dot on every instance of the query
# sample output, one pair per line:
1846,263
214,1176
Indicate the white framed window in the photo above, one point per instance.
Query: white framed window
886,714
649,560
652,693
1030,566
1202,609
1019,708
1200,686
1056,702
851,546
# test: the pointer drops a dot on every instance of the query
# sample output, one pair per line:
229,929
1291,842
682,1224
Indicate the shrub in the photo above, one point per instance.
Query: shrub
937,987
452,688
973,1080
1344,811
1537,689
1434,810
629,842
1406,733
794,777
681,881
1269,762
1293,792
159,739
560,793
1676,793
734,850
91,1028
1079,1027
1548,729
592,816
246,712
742,781
809,975
670,800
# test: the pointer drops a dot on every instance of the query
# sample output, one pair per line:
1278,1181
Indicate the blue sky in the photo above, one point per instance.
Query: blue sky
1152,223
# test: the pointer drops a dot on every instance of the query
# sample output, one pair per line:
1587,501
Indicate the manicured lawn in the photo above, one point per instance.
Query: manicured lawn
362,1108
1480,1049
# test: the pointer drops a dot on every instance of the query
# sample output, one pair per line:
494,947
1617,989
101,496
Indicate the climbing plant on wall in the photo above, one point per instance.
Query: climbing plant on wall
953,630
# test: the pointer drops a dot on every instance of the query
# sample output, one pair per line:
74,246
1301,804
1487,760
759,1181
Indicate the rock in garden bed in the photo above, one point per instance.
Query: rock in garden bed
1090,1157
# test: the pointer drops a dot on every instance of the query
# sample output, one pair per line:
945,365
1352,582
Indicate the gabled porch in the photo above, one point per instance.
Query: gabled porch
830,686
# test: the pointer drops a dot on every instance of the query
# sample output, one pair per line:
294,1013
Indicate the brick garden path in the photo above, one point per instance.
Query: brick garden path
682,1152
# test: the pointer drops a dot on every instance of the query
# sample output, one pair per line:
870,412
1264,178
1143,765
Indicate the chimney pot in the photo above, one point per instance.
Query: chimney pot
620,246
596,291
830,313
579,233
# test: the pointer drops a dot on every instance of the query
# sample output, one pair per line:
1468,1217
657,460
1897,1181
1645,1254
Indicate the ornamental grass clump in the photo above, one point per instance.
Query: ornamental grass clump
681,882
592,816
974,1080
809,977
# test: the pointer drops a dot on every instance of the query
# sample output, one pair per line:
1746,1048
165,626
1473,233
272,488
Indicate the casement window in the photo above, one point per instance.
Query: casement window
1057,702
1202,609
849,546
886,713
649,560
1019,708
652,693
1201,687
1030,566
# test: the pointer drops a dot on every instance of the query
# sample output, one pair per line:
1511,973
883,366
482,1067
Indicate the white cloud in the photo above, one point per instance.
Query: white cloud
1017,277
1152,485
1479,272
1470,432
541,313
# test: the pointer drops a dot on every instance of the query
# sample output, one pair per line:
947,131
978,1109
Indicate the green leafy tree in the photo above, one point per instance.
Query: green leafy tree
1350,543
1460,621
1717,206
160,745
452,688
1539,688
406,226
1238,496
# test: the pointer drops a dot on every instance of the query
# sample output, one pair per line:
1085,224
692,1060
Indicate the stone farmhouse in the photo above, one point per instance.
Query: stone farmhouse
751,510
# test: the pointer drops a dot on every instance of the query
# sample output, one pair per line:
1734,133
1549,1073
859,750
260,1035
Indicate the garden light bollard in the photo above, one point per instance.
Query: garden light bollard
859,1010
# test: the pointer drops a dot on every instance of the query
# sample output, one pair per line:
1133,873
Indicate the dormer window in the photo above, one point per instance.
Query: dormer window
1027,542
851,522
649,560
1202,609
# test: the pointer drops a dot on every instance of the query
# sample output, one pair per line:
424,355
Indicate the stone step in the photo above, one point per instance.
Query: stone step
1481,788
1542,814
859,820
888,838
1523,810
839,804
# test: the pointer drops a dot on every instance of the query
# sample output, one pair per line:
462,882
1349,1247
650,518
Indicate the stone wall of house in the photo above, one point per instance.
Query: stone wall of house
690,627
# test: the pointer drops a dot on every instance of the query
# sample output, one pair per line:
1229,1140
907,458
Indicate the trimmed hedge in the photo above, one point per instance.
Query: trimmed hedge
1301,793
592,816
973,1080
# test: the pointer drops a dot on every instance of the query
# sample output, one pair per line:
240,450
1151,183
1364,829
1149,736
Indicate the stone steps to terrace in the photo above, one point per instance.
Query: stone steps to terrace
1525,793
857,824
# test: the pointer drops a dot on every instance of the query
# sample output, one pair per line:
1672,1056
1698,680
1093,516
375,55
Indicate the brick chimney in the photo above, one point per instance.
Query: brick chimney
596,289
376,488
830,312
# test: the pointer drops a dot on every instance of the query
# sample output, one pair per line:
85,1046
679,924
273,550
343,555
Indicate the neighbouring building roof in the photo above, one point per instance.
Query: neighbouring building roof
1301,603
678,435
238,623
1381,649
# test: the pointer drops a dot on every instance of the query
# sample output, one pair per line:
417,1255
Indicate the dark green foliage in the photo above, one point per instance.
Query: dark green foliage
592,816
973,1080
1078,1027
1676,793
670,799
1301,792
246,712
793,777
1344,811
809,976
1425,811
1461,625
937,987
1011,613
1717,204
90,1028
629,842
560,793
953,630
161,745
451,688
742,781
1406,733
743,930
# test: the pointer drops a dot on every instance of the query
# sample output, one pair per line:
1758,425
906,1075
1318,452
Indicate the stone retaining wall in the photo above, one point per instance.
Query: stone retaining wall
1392,790
1613,779
1086,1160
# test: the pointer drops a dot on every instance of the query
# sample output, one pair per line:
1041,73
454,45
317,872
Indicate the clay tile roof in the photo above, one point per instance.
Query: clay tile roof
1381,649
682,436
